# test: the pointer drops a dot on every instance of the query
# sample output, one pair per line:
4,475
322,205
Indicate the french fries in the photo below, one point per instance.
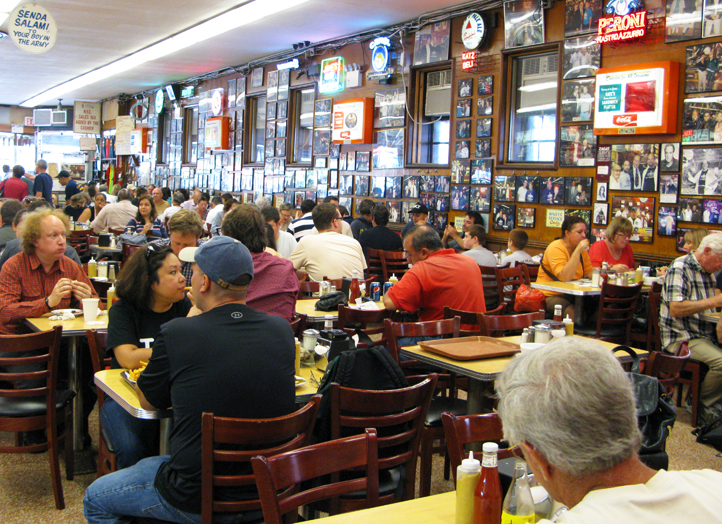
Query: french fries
133,374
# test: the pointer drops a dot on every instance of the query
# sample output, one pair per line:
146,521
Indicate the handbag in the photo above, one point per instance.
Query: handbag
132,238
655,410
528,299
710,434
331,301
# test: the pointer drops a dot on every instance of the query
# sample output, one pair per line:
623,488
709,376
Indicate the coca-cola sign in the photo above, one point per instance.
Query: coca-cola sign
625,120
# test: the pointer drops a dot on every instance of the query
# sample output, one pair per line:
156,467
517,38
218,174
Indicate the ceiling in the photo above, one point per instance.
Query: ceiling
92,34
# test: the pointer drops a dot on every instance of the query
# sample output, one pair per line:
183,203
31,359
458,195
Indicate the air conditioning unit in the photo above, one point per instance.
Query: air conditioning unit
438,93
539,70
43,117
59,117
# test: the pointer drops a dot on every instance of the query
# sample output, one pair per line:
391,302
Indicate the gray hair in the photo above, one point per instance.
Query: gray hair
712,241
42,164
178,198
262,202
573,403
424,237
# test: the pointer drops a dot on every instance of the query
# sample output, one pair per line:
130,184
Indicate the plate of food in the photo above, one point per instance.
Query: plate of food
300,381
131,375
71,311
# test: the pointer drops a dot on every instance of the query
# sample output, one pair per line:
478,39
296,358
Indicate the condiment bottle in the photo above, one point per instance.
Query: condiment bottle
487,495
354,290
518,507
569,325
467,477
92,268
605,271
393,279
558,313
111,296
328,322
298,356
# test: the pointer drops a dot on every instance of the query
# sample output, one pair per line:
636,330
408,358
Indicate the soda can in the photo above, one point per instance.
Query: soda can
375,291
387,286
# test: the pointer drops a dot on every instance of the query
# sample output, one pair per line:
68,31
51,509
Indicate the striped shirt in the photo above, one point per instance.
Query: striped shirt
301,227
686,280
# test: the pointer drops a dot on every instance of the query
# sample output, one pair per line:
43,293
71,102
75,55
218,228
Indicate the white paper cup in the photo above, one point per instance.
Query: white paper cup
90,309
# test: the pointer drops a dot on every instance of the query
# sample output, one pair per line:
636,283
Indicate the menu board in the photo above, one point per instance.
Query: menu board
353,121
123,129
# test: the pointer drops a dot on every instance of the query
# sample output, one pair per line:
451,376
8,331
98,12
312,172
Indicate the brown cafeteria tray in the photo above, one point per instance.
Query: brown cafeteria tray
471,348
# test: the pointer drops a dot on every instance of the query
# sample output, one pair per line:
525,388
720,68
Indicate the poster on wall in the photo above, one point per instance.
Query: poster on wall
578,146
578,100
701,68
639,99
390,107
582,57
684,20
702,120
523,23
431,43
640,211
352,121
581,16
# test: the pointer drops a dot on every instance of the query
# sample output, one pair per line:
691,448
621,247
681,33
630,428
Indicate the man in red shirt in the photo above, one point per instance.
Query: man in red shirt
439,277
14,187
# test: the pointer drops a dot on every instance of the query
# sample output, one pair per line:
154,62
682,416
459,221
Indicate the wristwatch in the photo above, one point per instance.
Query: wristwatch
47,304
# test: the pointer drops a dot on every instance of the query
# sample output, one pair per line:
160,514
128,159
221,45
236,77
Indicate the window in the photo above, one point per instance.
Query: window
257,134
303,125
432,126
164,123
190,136
532,122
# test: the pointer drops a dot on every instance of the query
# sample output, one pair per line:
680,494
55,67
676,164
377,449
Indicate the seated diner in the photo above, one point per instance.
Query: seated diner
614,249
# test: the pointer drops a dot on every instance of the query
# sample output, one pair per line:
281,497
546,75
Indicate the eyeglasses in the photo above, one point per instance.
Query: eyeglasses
623,235
151,249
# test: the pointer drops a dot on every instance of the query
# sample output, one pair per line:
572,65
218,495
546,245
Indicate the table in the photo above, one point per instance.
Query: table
480,372
570,288
307,306
105,252
72,329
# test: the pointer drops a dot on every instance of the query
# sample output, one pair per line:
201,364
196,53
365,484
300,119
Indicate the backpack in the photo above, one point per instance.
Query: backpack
367,368
710,434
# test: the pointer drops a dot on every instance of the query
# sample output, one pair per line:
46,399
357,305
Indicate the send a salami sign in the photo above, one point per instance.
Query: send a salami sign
32,28
353,121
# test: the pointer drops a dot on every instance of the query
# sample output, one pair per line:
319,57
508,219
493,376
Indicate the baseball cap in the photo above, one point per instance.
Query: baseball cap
63,174
132,187
419,208
223,259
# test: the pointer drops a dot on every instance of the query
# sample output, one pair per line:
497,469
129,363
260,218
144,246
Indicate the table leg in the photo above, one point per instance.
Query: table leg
165,427
74,384
481,396
579,309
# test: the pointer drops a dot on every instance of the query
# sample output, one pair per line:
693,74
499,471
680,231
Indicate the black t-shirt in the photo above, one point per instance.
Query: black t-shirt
380,237
127,325
232,361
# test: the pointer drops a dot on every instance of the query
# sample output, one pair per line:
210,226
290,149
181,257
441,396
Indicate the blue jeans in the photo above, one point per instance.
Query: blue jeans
128,493
133,438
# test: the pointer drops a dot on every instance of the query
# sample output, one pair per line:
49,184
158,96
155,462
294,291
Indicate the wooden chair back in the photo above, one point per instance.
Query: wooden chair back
80,241
363,318
307,288
433,328
508,280
468,429
373,261
533,271
298,324
229,444
616,309
129,249
117,231
491,289
394,263
506,325
469,318
654,334
667,368
398,415
280,477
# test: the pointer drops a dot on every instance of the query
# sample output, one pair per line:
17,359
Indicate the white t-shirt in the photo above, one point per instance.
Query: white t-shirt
669,497
345,229
285,244
517,257
483,256
328,254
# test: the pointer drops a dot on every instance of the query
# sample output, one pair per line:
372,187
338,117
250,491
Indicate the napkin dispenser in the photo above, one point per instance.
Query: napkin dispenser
104,240
336,340
552,324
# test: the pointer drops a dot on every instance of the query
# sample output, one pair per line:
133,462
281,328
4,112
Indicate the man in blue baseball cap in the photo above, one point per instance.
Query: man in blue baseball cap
230,360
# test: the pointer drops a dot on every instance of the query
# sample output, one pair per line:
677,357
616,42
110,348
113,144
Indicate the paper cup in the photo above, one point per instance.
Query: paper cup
90,309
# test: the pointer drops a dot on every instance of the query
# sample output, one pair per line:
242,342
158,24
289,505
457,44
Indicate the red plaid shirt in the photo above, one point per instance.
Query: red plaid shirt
24,285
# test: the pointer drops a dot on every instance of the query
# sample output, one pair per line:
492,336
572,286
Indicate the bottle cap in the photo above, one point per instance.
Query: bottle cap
490,447
470,465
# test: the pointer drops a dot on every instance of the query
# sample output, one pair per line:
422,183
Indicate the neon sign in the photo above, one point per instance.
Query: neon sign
468,60
332,75
380,53
620,28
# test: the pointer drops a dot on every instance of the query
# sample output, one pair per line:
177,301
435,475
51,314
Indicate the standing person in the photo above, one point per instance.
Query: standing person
71,186
43,186
158,200
518,239
380,236
115,215
14,187
29,179
6,172
615,248
474,241
363,222
146,221
253,360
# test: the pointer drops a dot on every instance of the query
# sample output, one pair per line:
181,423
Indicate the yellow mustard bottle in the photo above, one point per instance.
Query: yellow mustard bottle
467,476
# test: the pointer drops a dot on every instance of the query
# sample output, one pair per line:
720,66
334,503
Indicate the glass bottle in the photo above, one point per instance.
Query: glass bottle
558,313
605,271
467,476
354,290
487,495
518,507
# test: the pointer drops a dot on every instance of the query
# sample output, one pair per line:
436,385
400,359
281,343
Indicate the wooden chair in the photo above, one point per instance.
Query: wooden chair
117,231
80,241
447,401
279,477
394,263
469,318
468,429
363,318
106,453
374,263
654,334
533,270
692,376
37,404
398,415
229,444
499,325
508,280
491,289
667,368
128,250
307,288
614,315
298,324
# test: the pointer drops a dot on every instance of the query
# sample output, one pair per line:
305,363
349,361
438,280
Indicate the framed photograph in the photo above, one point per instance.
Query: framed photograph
429,200
701,173
284,80
578,100
281,147
585,214
461,150
321,141
334,152
712,211
310,179
640,211
465,87
270,129
393,187
582,57
394,208
684,21
322,113
484,105
281,128
581,17
483,127
231,93
342,165
300,197
527,189
442,203
241,93
390,108
699,77
345,202
411,186
578,146
319,162
431,43
667,221
668,185
578,191
525,216
257,77
363,161
481,171
272,89
282,110
702,120
480,199
485,85
345,184
482,148
428,183
333,179
463,128
438,220
459,198
523,24
460,171
504,217
362,185
711,25
504,186
378,186
351,161
602,192
270,150
271,111
311,195
601,214
388,151
463,108
670,158
443,183
690,210
634,167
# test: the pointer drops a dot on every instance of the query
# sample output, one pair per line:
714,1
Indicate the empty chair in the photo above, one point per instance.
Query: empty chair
373,261
129,249
491,289
363,318
508,280
80,240
667,368
469,319
503,325
278,477
394,263
106,453
614,315
432,328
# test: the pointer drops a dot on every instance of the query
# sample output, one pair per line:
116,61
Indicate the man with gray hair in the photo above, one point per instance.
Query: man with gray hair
689,291
43,187
571,409
115,215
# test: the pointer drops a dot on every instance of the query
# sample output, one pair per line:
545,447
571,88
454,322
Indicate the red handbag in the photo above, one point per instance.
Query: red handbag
528,299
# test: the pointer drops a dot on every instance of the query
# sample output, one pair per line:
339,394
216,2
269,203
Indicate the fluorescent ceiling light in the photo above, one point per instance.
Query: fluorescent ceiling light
535,109
246,14
542,86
